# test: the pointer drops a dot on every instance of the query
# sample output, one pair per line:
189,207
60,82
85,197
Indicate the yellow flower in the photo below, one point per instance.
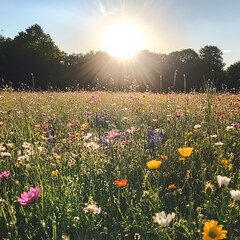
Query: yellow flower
154,164
225,162
84,126
213,231
185,151
17,164
54,173
58,157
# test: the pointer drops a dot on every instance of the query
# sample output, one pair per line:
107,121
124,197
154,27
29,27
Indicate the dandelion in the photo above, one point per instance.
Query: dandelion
213,231
235,195
5,174
29,197
185,151
223,180
92,208
162,219
120,183
154,164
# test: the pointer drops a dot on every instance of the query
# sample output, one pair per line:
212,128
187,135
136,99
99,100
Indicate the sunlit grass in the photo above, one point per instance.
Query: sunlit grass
89,152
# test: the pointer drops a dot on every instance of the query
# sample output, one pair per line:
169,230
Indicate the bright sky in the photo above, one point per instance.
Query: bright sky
78,26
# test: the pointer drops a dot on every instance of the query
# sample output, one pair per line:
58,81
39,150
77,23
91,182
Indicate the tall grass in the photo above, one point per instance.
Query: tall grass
44,142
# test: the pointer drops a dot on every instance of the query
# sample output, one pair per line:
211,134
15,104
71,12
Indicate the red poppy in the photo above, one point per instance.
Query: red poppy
121,183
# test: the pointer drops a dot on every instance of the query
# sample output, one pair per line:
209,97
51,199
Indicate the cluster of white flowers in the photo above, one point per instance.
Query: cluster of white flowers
162,219
92,208
223,180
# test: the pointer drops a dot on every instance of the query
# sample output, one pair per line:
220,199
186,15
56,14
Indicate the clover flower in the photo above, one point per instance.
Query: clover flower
29,197
162,219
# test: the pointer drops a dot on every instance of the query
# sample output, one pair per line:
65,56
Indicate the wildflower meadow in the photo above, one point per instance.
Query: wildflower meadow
119,165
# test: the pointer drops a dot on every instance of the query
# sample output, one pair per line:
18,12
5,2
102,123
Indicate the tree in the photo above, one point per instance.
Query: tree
233,75
212,64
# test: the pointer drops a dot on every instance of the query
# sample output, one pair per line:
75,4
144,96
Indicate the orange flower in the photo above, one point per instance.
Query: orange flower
37,126
54,173
163,157
225,162
182,159
120,183
154,164
171,186
185,151
17,164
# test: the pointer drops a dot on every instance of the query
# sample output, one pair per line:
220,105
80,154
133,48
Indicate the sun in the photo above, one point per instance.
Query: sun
123,40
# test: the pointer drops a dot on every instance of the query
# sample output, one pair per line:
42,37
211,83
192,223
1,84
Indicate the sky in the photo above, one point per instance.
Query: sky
78,26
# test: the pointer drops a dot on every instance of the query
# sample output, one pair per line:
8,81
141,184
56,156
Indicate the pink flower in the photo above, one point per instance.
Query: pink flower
29,197
5,174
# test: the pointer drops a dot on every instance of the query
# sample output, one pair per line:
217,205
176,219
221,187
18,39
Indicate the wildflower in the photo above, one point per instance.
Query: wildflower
225,162
5,174
17,164
58,157
120,183
54,173
185,151
218,144
171,186
1,123
5,154
92,208
163,157
235,194
223,180
209,187
213,231
154,164
197,126
162,219
229,128
37,126
29,197
10,145
182,159
84,126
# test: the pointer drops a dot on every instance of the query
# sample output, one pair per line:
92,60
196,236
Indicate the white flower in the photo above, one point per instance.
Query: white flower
235,194
89,135
5,154
92,208
213,136
223,180
162,219
197,126
92,145
229,128
218,143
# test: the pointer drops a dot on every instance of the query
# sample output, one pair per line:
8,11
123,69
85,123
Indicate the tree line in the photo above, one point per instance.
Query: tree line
32,61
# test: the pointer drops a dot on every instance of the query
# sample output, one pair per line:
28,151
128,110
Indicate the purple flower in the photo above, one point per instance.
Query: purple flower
5,174
29,197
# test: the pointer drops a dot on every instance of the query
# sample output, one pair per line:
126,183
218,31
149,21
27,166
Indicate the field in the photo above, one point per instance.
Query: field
115,166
